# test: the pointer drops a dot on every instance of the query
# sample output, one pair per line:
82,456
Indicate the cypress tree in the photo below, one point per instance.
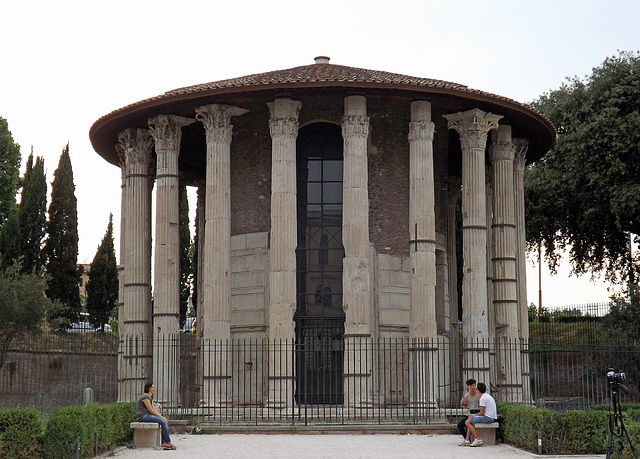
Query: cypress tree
10,239
33,219
9,170
185,262
102,288
61,246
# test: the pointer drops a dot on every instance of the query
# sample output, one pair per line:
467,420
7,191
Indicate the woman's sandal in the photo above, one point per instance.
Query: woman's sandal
168,446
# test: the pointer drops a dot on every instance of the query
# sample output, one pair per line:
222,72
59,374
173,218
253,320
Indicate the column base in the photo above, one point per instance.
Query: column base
281,390
216,392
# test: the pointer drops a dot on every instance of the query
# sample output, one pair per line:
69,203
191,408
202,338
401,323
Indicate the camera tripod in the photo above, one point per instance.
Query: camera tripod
616,416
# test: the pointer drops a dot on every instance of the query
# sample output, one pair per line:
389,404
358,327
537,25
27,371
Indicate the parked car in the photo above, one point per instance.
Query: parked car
83,325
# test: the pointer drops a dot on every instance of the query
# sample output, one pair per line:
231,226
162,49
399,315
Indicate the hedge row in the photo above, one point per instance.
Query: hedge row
571,432
95,427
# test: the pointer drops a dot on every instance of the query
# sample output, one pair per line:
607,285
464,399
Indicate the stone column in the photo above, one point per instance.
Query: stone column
490,307
452,258
135,146
492,363
200,223
521,261
355,238
166,130
473,126
503,229
201,355
520,158
502,152
441,379
283,124
422,223
123,229
216,314
422,233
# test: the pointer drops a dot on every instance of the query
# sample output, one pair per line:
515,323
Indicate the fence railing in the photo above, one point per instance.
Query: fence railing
563,327
353,380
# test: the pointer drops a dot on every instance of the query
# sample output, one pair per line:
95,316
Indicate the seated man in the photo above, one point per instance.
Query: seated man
469,400
488,414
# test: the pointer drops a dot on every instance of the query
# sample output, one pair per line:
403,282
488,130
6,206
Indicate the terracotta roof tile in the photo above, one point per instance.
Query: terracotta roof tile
318,73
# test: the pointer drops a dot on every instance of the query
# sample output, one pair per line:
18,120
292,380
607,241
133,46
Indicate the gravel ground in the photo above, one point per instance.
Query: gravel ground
333,446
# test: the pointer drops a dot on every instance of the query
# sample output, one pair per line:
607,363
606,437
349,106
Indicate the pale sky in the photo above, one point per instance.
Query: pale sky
65,64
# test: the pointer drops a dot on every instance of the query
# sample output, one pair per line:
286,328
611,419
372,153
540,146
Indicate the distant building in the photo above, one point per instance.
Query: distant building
84,278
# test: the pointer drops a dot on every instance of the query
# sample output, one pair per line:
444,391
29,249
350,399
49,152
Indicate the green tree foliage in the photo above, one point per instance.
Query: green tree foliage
33,217
585,193
23,305
9,170
10,239
622,331
185,261
61,246
102,288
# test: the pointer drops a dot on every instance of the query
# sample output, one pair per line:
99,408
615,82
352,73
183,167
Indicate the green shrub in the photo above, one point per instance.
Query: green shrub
61,435
123,415
572,432
19,433
94,427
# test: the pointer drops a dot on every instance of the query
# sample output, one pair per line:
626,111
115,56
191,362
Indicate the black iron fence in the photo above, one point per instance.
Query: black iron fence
353,380
560,327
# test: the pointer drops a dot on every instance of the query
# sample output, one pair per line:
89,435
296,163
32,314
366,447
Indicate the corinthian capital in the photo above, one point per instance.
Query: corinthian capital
473,126
502,151
521,145
283,127
355,126
421,130
167,131
134,146
283,119
217,121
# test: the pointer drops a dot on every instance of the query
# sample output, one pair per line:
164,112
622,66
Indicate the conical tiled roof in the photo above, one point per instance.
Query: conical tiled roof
320,73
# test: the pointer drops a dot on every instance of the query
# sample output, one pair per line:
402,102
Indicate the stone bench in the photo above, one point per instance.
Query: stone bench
487,432
146,434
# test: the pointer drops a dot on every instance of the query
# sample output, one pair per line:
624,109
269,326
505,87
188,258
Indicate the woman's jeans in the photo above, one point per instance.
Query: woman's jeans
164,425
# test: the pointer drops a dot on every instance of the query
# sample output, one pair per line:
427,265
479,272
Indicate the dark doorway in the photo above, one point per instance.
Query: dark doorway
319,316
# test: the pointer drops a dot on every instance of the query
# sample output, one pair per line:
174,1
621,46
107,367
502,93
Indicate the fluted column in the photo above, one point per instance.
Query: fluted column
522,146
202,353
422,234
123,229
216,314
503,230
473,126
200,223
502,152
452,258
355,217
422,226
355,237
166,131
490,307
283,124
135,146
520,158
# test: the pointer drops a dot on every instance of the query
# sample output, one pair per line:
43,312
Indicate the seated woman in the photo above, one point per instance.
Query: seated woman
145,412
